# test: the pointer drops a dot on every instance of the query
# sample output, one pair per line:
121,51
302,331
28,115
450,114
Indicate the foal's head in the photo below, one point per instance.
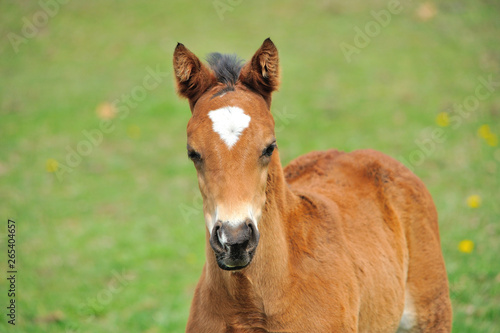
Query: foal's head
230,139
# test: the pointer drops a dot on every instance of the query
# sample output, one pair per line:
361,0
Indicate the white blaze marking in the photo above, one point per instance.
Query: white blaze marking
233,217
229,122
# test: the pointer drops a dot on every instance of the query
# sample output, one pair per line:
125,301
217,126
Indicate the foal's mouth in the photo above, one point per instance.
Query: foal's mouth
230,263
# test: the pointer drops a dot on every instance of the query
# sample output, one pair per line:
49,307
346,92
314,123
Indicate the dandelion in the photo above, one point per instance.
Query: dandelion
466,246
51,165
485,132
474,201
443,119
492,140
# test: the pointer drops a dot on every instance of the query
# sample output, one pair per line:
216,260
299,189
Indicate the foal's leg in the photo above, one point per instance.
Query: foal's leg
427,303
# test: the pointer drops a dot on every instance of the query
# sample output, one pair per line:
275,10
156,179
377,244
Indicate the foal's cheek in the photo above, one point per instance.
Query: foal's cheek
263,180
201,183
203,187
261,191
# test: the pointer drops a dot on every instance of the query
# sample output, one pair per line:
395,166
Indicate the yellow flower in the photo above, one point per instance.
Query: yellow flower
492,140
474,201
484,131
466,246
443,119
51,165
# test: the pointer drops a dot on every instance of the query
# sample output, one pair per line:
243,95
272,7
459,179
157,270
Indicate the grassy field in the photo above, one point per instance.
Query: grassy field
93,168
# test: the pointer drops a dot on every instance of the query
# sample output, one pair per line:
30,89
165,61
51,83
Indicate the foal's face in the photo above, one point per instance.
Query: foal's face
230,139
231,143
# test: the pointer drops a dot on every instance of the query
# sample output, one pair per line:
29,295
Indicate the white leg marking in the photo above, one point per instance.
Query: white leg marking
229,122
409,318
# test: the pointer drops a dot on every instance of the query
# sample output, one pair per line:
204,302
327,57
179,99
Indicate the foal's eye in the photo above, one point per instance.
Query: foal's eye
269,150
194,156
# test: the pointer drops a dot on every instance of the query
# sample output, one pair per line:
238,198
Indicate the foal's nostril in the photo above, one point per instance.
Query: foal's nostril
254,236
222,238
215,237
250,226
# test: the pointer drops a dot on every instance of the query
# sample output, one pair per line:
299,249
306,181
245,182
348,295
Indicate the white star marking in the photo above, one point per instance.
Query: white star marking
229,122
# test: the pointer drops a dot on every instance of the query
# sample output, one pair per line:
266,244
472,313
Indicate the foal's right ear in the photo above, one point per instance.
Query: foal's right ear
192,77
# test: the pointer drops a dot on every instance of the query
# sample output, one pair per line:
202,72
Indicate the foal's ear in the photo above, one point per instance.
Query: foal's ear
262,72
192,77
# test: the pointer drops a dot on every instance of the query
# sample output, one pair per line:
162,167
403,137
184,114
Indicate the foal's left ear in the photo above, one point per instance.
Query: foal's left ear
262,72
192,77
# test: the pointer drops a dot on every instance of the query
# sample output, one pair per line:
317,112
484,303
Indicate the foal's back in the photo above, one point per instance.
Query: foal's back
387,225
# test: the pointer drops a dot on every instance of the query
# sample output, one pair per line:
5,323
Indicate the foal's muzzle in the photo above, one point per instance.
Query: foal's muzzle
234,244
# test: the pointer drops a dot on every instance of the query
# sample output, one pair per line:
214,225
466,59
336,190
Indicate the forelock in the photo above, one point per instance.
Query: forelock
226,67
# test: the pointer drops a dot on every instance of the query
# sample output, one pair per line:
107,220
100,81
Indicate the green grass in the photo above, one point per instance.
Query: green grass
131,208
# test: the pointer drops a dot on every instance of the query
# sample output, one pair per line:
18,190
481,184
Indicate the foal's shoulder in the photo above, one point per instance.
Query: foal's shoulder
375,165
374,170
311,165
365,165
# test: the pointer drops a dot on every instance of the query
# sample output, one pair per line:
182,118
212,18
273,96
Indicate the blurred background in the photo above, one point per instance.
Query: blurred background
93,167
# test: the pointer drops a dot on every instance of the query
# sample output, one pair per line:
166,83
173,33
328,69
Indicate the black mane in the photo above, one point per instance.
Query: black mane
226,67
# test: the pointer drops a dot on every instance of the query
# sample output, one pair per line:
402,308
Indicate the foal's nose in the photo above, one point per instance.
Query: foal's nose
234,239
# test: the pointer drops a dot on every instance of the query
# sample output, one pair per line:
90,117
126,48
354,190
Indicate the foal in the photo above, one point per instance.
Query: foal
335,242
